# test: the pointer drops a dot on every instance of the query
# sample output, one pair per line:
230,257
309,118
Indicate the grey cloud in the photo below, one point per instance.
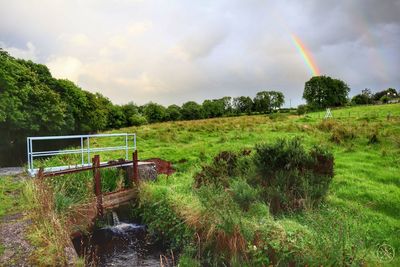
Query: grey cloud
175,51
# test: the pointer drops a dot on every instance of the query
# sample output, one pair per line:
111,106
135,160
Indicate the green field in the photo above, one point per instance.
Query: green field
363,199
358,222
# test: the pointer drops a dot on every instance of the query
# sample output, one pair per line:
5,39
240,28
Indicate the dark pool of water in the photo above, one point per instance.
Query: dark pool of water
124,244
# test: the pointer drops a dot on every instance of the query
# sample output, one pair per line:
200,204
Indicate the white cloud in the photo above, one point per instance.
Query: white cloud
66,68
29,53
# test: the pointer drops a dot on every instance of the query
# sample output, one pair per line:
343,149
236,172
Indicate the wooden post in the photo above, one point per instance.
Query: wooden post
97,185
135,177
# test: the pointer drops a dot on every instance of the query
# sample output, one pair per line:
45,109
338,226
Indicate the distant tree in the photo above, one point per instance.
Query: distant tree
154,112
277,99
228,105
191,111
174,113
129,111
137,120
366,97
116,117
267,101
390,93
243,104
262,102
323,91
213,108
360,99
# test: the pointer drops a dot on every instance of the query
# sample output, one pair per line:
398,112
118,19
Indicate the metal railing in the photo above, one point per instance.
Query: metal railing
85,151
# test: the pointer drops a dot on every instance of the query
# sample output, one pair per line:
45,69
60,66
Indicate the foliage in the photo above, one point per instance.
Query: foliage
267,101
137,120
213,108
174,113
154,112
243,104
162,221
302,109
244,194
290,177
323,91
390,93
192,111
218,173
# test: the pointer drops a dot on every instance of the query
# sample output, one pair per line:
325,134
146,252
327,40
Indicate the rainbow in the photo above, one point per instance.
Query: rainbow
305,53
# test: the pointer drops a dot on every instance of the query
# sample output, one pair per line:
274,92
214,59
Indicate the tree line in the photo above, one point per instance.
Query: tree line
32,102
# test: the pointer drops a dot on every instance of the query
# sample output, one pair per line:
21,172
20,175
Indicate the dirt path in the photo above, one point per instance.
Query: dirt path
13,230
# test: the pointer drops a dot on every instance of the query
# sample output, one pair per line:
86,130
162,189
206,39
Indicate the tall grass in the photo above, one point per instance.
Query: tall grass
360,213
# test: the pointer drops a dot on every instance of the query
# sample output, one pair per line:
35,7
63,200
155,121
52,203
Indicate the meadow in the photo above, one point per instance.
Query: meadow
357,223
361,212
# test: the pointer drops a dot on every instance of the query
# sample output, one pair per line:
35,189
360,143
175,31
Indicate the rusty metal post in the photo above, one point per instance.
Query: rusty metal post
97,184
135,168
40,173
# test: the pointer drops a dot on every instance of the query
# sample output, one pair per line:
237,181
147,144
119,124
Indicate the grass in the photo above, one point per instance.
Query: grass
10,202
360,215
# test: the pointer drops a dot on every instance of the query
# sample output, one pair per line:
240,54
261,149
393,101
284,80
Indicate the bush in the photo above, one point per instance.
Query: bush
342,133
302,109
137,120
218,172
243,194
291,178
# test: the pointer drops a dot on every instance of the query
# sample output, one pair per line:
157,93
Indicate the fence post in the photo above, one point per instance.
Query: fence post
135,177
97,185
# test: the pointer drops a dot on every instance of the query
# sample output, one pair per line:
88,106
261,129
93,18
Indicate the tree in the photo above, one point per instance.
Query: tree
228,109
192,111
323,91
129,111
262,102
213,108
390,93
277,99
154,112
360,99
243,104
174,113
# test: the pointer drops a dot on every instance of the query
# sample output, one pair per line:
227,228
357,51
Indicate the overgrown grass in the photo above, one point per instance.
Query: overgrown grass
10,201
360,214
49,231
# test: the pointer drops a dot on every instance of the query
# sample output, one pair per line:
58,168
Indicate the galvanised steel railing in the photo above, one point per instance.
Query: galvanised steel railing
85,151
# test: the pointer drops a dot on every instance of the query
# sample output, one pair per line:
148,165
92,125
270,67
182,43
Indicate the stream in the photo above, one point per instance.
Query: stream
121,244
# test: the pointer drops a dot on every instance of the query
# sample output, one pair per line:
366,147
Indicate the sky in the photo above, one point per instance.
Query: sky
171,52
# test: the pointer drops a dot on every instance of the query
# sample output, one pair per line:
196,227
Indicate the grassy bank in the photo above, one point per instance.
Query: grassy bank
358,220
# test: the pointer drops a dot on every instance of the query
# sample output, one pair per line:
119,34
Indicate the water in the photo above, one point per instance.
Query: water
122,244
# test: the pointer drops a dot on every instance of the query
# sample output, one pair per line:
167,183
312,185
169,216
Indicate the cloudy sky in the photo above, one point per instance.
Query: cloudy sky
174,51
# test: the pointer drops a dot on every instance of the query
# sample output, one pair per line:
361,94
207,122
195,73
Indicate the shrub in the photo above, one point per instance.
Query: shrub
137,120
218,172
290,177
243,194
302,109
341,134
